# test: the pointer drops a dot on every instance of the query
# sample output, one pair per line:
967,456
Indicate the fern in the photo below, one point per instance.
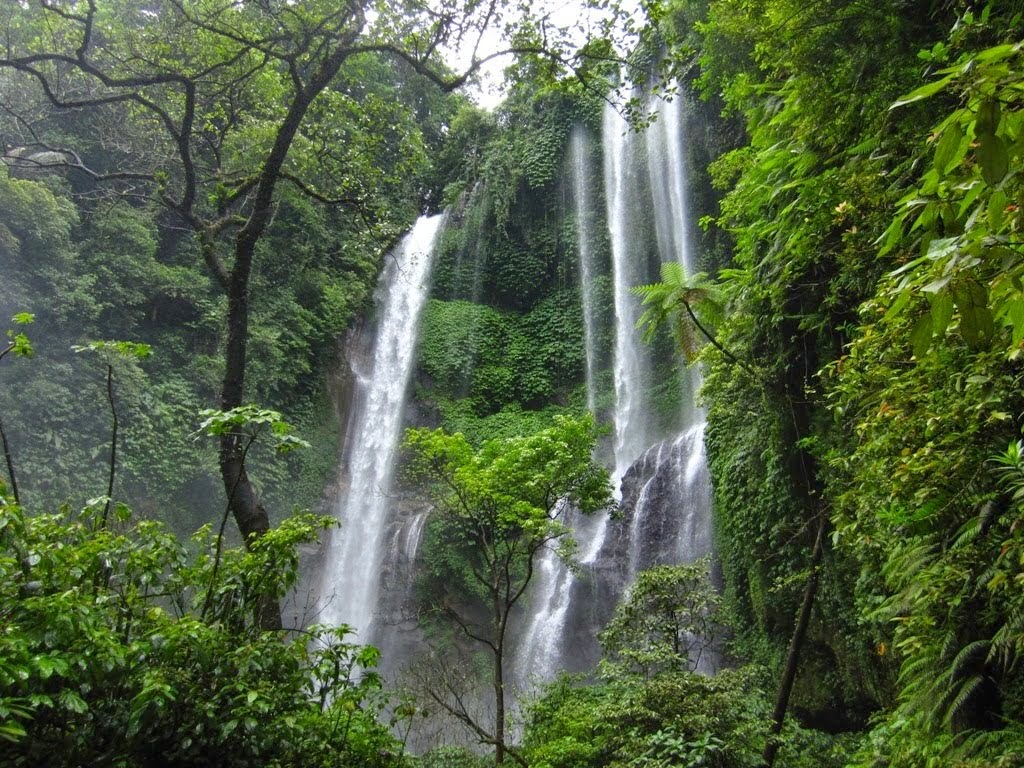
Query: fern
969,653
690,308
966,691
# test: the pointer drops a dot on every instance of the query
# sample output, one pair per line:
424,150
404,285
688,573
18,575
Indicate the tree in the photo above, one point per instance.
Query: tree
675,300
665,623
19,345
497,508
216,105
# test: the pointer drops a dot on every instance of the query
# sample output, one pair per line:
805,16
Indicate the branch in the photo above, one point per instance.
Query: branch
451,613
711,338
113,445
308,191
76,164
10,464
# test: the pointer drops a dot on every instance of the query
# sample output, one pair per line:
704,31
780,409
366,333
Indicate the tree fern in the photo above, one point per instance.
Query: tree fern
689,307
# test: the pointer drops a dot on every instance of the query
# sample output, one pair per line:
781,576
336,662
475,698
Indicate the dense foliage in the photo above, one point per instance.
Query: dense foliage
94,238
863,222
650,708
873,306
503,338
122,645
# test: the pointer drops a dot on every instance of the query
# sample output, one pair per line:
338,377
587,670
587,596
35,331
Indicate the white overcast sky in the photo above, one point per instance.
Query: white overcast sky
568,14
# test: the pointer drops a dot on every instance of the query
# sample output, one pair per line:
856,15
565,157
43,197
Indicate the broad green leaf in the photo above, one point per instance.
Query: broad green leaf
998,52
1014,313
942,312
986,322
921,335
901,300
994,159
997,210
923,92
942,247
988,118
936,285
892,235
969,326
946,153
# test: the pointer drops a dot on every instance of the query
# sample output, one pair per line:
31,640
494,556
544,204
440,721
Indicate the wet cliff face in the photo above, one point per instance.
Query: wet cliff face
661,520
666,494
398,631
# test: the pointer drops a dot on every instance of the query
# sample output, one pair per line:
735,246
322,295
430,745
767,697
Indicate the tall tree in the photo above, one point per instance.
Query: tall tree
497,509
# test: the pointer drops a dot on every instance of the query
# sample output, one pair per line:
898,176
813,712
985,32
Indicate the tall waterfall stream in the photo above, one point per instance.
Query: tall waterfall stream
351,575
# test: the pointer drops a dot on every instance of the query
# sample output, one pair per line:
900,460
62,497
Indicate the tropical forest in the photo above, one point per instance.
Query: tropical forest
562,384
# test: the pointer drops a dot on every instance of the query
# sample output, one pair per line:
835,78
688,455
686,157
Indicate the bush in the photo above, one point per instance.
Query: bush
122,646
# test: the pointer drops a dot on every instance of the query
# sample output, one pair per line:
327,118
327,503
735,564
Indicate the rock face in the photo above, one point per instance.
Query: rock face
25,163
666,494
662,520
397,631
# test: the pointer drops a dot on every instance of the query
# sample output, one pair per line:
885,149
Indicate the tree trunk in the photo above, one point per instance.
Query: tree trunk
499,707
246,507
795,646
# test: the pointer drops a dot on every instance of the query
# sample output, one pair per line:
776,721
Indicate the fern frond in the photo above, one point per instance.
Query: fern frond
967,690
970,652
967,533
948,646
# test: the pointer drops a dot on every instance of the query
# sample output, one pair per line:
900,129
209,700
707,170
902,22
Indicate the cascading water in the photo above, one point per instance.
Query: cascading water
675,468
352,566
539,654
624,188
582,180
667,170
661,481
666,167
664,487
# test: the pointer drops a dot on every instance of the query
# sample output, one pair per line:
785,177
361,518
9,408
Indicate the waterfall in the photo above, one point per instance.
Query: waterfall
667,170
659,532
623,196
413,535
581,184
658,466
666,167
663,484
351,573
684,475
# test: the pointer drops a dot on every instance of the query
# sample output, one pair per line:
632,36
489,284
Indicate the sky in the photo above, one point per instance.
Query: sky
573,15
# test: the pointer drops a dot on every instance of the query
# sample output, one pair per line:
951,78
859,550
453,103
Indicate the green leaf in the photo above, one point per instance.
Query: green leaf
936,285
994,159
921,335
892,235
923,92
125,349
996,213
946,150
11,731
942,312
73,701
998,52
1014,312
987,120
